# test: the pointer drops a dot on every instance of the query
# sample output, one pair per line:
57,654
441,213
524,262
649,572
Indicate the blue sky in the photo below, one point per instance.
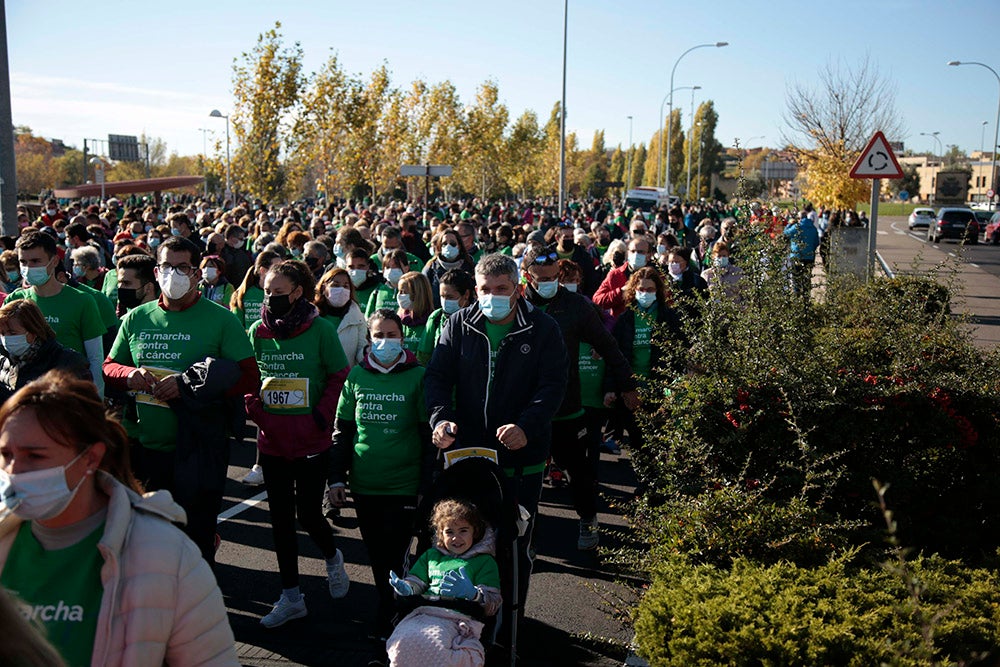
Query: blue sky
87,69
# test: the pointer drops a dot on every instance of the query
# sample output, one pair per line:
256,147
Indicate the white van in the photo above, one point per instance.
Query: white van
649,199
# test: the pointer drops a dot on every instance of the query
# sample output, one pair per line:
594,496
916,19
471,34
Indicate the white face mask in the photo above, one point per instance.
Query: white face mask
636,260
338,296
392,276
405,301
174,284
449,252
37,495
210,274
675,268
15,345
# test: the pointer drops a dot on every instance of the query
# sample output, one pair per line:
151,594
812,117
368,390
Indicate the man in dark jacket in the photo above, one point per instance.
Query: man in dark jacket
576,447
502,364
568,249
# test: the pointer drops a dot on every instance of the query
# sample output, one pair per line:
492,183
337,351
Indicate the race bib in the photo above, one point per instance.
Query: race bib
456,455
285,393
148,399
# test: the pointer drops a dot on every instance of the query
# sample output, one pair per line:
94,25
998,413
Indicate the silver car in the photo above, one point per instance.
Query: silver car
922,217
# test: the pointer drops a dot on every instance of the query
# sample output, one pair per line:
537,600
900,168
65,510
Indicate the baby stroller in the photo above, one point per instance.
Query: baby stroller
480,481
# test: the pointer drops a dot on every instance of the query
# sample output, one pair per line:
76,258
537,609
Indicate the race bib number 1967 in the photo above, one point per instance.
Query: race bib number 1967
285,393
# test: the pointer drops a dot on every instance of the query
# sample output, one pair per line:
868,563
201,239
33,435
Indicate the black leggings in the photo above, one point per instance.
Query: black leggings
386,525
296,487
575,446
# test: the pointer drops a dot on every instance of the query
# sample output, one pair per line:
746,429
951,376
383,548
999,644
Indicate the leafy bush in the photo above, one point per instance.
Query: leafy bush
833,614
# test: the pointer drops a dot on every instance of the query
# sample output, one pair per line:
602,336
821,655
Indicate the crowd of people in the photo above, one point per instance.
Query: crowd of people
359,340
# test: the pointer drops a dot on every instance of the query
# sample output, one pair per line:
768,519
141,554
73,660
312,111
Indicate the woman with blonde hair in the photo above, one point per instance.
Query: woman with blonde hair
125,586
415,306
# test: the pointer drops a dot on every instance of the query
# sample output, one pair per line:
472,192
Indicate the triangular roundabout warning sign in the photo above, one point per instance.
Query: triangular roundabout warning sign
877,160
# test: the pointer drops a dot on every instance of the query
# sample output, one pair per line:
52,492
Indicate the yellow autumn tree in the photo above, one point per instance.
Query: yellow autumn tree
483,143
267,82
828,126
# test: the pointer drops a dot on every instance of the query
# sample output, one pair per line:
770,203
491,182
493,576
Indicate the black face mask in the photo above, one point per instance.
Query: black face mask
312,262
277,304
128,297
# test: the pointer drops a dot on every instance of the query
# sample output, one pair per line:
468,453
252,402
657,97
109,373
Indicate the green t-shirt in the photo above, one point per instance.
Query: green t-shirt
496,333
60,589
412,260
388,409
253,303
293,371
110,286
432,331
412,336
169,342
220,294
642,343
432,565
72,314
109,316
384,296
591,378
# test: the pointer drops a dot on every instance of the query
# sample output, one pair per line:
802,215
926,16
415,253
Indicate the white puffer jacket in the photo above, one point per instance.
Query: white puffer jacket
161,604
353,334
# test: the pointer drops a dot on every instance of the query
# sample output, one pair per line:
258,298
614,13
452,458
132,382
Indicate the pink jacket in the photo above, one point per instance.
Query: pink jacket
161,604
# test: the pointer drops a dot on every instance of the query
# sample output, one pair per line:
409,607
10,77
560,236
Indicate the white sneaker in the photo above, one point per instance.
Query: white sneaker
284,611
337,577
589,537
255,477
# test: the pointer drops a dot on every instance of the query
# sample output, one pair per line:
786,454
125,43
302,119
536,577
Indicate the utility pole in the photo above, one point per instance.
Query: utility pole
562,119
8,170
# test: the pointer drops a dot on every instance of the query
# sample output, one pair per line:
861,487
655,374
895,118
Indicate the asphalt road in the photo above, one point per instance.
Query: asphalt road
895,236
570,619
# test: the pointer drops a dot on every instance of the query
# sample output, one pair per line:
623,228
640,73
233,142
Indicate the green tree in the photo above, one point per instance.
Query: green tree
703,147
267,84
36,170
639,165
617,166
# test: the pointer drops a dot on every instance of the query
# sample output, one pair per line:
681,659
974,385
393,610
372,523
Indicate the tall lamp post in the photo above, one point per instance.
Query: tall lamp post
701,147
659,149
229,184
687,188
98,164
204,152
934,135
628,178
996,127
672,71
562,119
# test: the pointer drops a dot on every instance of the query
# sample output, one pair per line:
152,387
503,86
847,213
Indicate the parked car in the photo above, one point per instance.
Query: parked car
954,223
921,217
992,232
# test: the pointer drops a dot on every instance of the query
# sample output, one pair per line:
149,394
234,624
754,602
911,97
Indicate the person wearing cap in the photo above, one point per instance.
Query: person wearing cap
496,379
575,446
72,314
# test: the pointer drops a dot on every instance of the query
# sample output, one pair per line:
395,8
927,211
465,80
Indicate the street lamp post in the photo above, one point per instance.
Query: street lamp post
562,119
687,188
982,139
659,149
934,136
701,147
996,127
229,184
628,179
672,71
99,173
204,153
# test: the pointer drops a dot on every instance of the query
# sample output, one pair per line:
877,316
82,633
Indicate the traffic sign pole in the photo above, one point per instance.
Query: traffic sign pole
873,228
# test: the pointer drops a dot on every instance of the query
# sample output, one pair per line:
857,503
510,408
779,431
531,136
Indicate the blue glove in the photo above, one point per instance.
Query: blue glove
402,587
456,584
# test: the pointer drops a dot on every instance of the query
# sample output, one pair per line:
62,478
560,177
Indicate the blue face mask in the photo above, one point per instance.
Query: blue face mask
494,306
175,231
449,252
13,276
386,350
35,275
79,271
154,242
338,250
547,288
450,306
645,299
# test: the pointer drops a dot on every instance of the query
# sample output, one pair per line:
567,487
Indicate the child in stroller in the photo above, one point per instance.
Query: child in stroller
458,570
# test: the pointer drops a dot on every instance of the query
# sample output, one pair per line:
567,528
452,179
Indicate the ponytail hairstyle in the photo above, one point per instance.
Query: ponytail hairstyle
263,261
299,274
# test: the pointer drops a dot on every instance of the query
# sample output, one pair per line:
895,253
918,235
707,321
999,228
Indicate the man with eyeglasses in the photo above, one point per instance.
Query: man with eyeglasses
575,443
157,342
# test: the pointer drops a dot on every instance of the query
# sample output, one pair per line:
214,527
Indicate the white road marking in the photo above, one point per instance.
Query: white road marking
242,507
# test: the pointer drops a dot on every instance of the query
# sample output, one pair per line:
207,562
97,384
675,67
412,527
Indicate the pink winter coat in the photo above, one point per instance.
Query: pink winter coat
161,604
